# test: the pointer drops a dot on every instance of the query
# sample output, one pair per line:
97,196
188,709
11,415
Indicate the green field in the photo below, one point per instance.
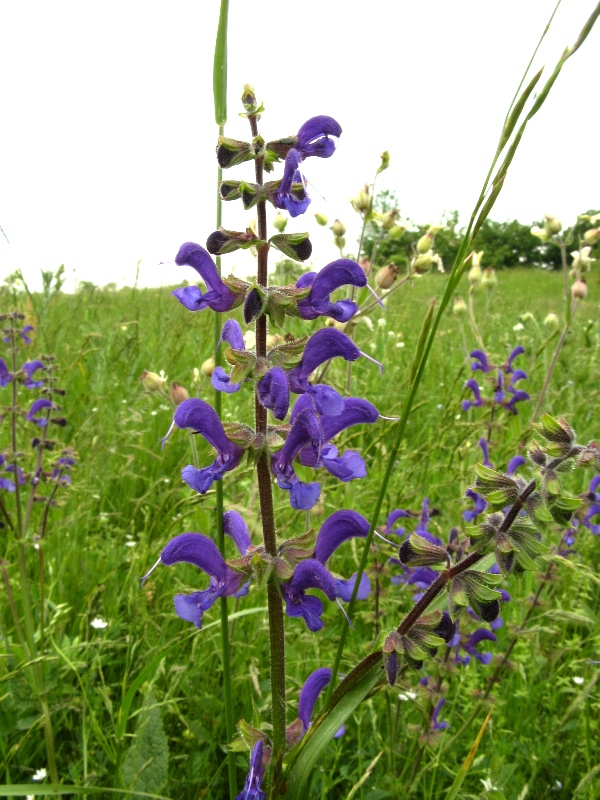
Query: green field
111,689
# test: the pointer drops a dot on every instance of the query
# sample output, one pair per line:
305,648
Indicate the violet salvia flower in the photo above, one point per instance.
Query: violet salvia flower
309,694
517,351
594,509
481,362
419,578
479,507
514,464
219,296
24,334
478,401
354,411
305,430
5,376
232,334
436,724
393,516
203,419
252,790
29,368
286,196
314,137
274,392
337,529
309,574
37,406
318,303
202,552
485,449
469,645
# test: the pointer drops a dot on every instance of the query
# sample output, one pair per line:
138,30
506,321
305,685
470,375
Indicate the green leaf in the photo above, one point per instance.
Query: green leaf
60,790
145,764
346,698
220,67
462,773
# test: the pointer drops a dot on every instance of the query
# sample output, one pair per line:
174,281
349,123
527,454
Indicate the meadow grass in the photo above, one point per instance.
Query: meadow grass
127,501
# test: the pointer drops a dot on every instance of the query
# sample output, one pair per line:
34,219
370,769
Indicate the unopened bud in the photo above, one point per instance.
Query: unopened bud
460,307
422,263
552,224
385,161
280,222
321,219
396,231
207,367
551,320
386,277
178,393
540,233
152,381
475,275
489,279
592,236
339,242
388,219
249,99
273,340
579,289
338,228
195,376
476,258
362,201
425,243
365,265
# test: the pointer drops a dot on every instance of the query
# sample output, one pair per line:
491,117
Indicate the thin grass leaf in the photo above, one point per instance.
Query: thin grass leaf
462,773
51,790
220,66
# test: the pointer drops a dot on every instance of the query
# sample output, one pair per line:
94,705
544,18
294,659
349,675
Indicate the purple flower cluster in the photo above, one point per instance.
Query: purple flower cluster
505,393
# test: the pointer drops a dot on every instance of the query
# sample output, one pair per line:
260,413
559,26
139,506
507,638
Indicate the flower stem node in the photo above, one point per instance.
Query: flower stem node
474,589
419,643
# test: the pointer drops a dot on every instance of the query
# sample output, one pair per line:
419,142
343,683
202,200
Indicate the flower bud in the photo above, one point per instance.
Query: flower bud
195,376
273,340
339,242
249,99
207,367
321,219
460,307
385,161
475,275
476,258
280,222
338,228
388,219
579,289
396,231
592,236
425,243
552,225
541,233
362,202
489,279
386,277
365,265
153,382
422,263
551,320
178,393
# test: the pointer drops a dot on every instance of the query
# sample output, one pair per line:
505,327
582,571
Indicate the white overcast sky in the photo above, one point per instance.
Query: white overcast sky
108,127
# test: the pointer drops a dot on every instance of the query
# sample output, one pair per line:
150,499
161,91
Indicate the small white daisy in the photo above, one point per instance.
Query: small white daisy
39,774
98,623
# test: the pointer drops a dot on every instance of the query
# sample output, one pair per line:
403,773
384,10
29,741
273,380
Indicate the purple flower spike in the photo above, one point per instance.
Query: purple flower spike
219,296
435,723
36,407
309,574
252,790
474,387
202,552
318,303
309,694
203,419
481,362
274,392
313,137
5,376
29,367
295,203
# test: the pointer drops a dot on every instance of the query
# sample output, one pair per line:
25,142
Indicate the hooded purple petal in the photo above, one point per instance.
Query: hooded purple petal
516,352
345,588
252,790
29,367
274,392
515,463
36,407
5,375
232,334
219,296
313,137
283,196
309,574
337,529
480,362
203,419
222,382
234,526
196,549
339,273
323,345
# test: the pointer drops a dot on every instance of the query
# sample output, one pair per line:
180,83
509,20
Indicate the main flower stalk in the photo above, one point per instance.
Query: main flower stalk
265,493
